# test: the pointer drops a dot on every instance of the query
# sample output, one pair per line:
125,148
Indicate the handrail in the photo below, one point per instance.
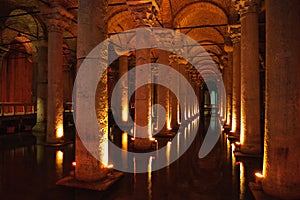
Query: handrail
16,108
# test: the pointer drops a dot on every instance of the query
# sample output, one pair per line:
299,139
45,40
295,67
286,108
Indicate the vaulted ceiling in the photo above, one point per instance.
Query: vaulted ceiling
203,20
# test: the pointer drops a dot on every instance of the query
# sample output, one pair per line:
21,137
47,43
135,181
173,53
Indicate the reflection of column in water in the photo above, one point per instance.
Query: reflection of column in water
178,143
242,181
150,178
134,173
59,163
233,167
39,154
124,148
184,136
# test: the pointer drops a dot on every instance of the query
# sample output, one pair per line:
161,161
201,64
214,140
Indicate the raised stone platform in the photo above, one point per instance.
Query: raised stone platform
258,192
100,185
241,154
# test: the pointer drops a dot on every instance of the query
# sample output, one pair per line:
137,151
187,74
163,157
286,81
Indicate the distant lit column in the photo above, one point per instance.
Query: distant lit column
40,125
163,92
228,79
57,19
235,34
123,69
174,101
250,84
282,138
182,92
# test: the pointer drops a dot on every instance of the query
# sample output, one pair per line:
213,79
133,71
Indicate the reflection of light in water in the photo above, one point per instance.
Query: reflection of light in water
242,181
124,148
134,171
19,151
124,141
178,114
178,143
39,154
168,151
233,164
184,135
150,178
59,163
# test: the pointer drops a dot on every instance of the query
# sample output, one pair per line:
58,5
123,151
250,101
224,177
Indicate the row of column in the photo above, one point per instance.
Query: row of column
243,93
281,149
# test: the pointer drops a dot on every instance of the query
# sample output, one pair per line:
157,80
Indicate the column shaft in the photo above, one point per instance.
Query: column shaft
91,15
55,89
250,101
41,88
282,138
236,87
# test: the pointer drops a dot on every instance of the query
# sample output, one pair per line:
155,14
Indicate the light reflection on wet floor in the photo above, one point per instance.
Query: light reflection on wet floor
31,173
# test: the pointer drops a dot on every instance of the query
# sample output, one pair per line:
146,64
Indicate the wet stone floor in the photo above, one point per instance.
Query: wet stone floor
31,172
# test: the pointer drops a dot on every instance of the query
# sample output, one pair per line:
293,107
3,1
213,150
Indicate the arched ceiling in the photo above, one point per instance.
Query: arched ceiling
172,14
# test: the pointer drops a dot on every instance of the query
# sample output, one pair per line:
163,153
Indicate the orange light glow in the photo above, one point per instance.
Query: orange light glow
74,164
59,131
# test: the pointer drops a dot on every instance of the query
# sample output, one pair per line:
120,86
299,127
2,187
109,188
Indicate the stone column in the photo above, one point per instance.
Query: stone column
182,92
91,32
228,79
163,92
40,126
235,35
174,102
123,69
57,19
282,138
141,13
250,85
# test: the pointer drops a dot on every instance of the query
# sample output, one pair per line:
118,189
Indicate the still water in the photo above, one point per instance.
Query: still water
31,173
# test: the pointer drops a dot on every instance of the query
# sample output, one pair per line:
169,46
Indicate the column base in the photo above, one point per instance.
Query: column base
99,185
258,192
281,192
250,149
39,128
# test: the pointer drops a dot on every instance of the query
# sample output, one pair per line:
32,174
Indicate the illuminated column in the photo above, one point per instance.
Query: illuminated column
174,101
163,92
57,19
182,92
40,125
235,35
123,69
88,168
250,85
282,138
140,13
228,85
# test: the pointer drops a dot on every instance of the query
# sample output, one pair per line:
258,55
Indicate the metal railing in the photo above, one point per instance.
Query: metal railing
16,108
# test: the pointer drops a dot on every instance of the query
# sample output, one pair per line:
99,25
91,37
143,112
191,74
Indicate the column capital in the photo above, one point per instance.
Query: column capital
143,13
178,59
57,19
245,6
164,38
235,32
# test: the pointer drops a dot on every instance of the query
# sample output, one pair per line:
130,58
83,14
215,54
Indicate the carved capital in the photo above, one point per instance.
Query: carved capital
245,6
57,19
143,13
165,39
235,33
